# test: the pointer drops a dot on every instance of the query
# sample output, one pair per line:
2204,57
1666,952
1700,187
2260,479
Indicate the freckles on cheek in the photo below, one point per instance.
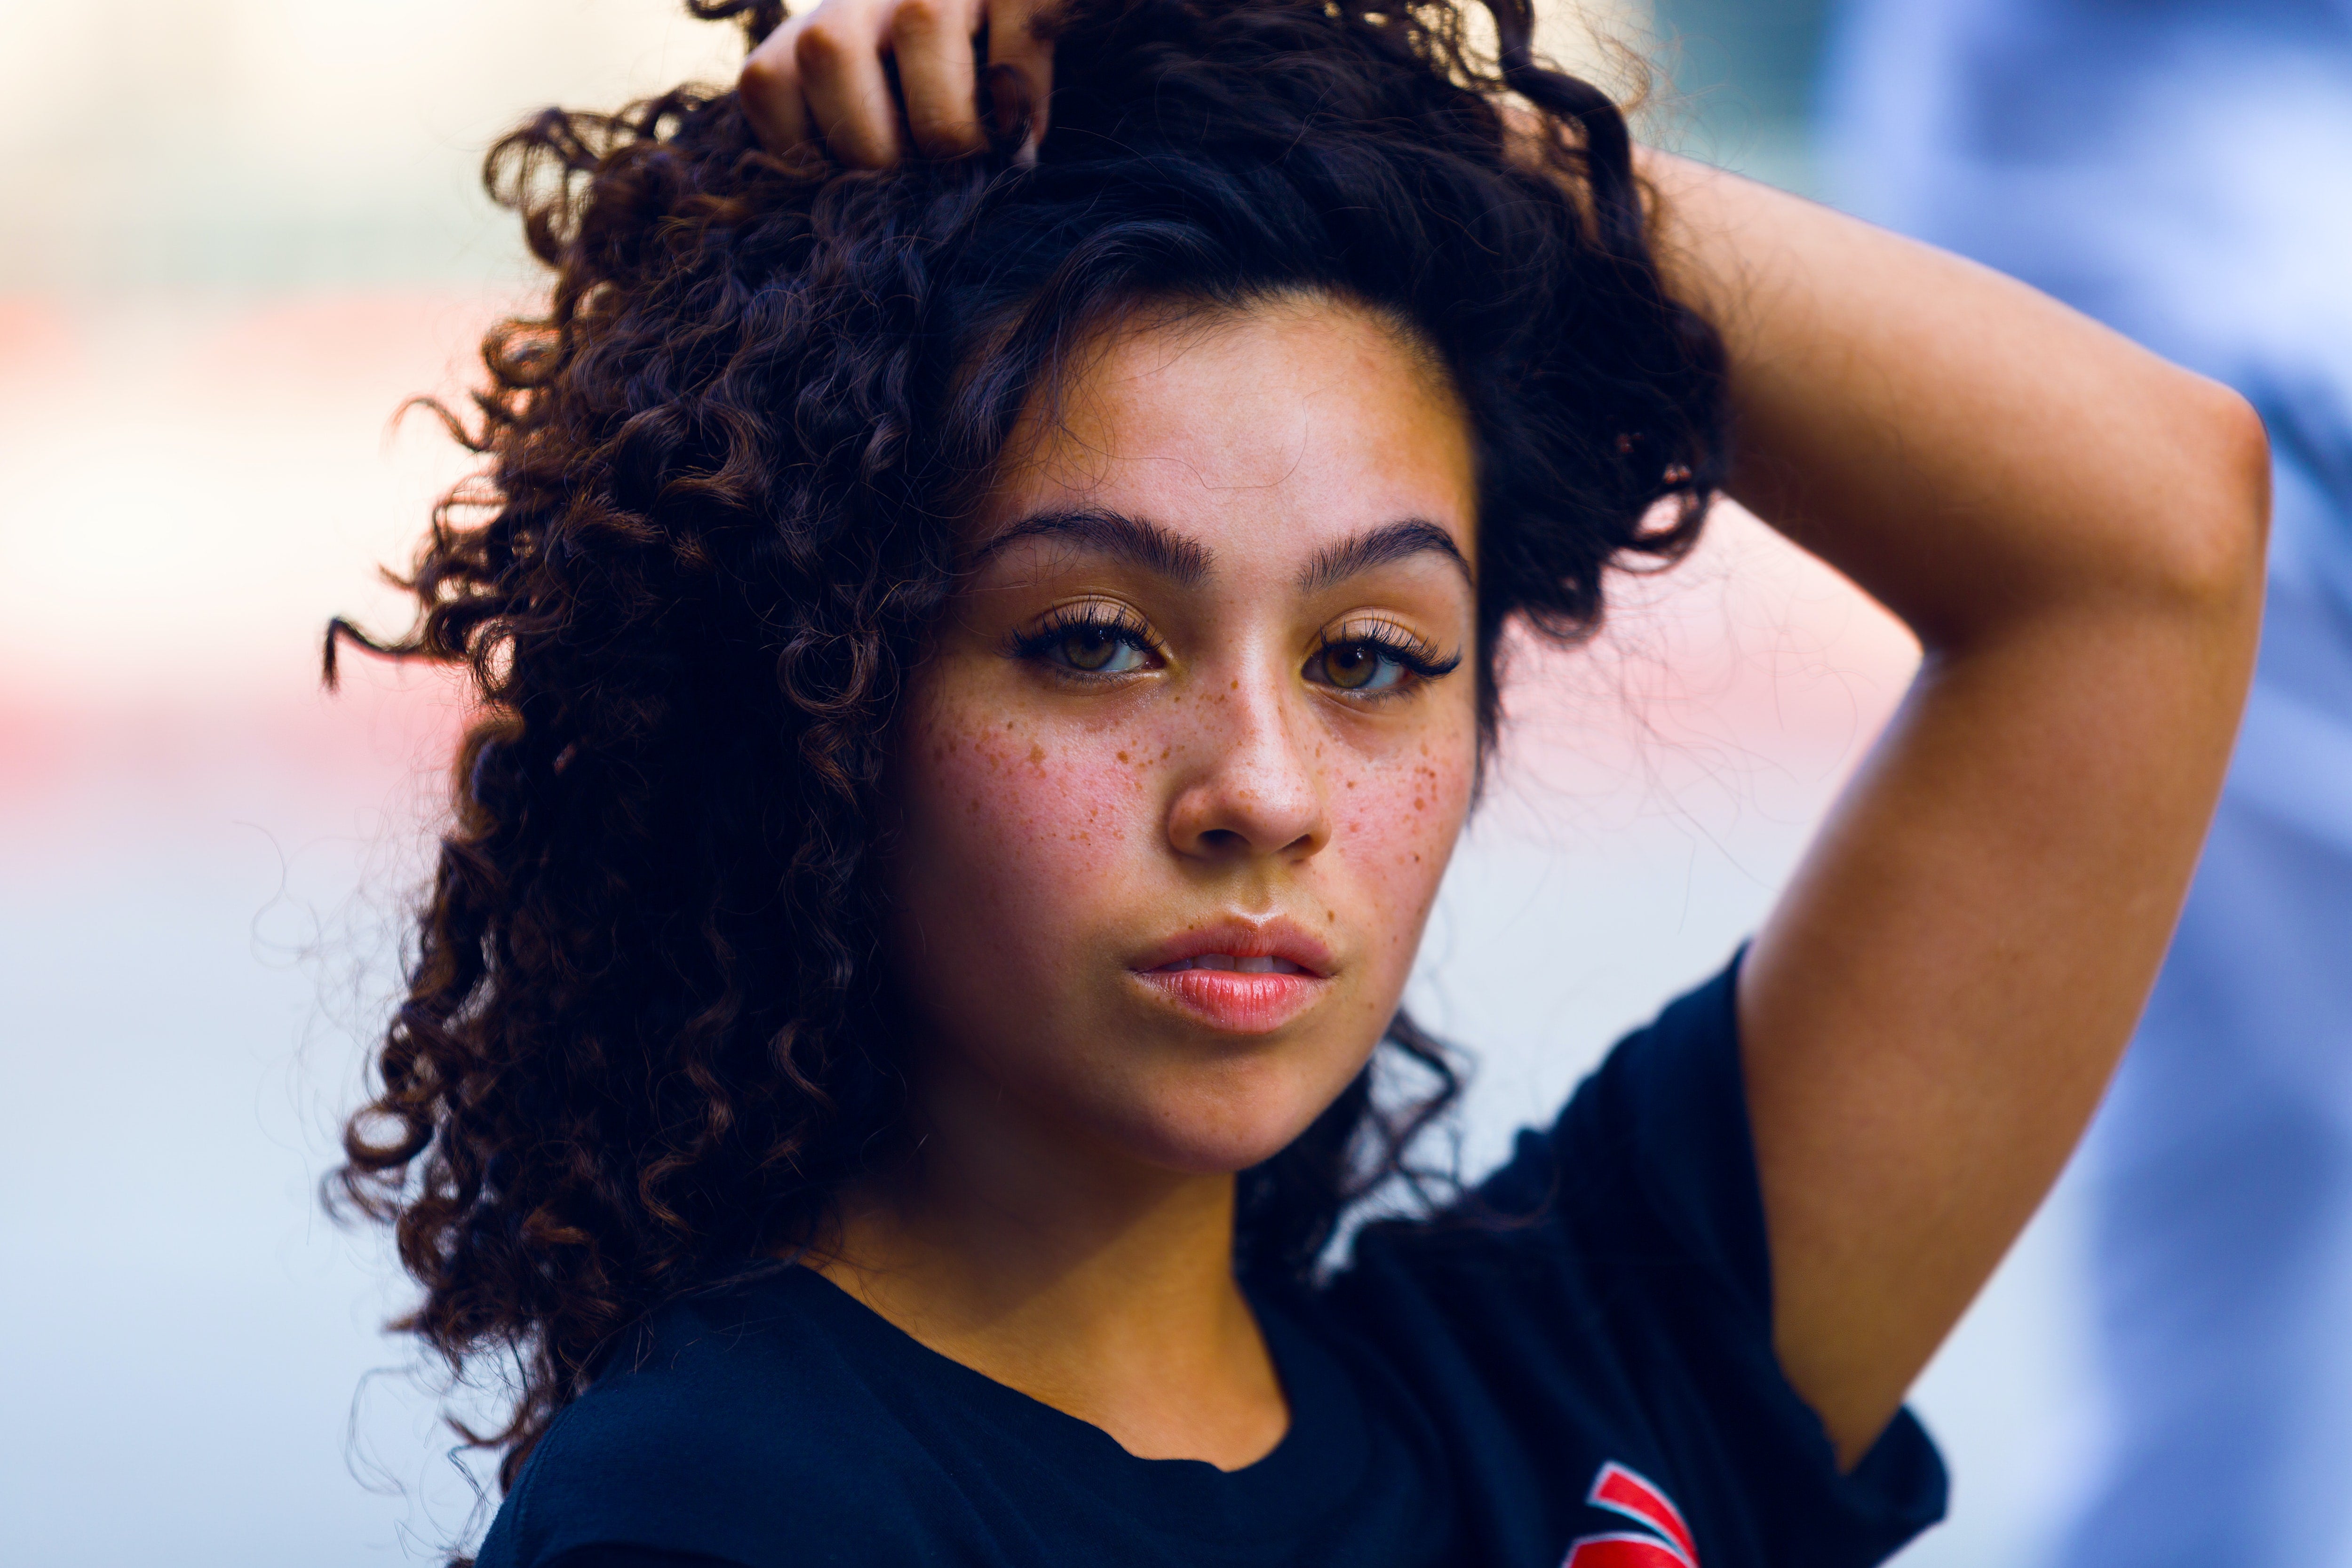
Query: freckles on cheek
1011,794
1398,823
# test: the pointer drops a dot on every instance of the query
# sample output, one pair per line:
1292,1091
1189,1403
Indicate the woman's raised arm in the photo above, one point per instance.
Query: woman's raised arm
2074,528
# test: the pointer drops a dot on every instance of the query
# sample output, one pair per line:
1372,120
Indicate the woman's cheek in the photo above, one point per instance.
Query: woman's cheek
1397,832
1026,818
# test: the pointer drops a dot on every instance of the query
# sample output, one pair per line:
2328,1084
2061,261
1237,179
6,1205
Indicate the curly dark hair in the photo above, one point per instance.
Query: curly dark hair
646,1034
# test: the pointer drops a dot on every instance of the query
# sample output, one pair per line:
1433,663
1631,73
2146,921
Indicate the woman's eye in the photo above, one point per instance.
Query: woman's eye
1357,666
1097,650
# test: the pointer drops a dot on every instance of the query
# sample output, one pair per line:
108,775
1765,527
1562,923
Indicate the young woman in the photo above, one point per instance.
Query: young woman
985,618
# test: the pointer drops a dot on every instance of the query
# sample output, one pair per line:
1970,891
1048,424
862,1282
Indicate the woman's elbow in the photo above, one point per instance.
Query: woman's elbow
2214,557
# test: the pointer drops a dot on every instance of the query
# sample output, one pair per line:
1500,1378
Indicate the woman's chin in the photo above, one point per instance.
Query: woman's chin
1218,1135
1208,1156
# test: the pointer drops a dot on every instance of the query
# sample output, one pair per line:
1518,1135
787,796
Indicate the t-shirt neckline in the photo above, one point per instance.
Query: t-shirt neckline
1311,1470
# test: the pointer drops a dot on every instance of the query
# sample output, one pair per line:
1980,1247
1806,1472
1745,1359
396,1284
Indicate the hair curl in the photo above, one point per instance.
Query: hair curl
646,1035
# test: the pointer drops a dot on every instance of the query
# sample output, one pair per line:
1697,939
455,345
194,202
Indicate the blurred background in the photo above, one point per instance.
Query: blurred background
238,234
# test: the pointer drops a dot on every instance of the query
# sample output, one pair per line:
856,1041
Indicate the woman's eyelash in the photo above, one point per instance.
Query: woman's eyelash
1108,640
1374,661
1414,653
1104,619
1101,620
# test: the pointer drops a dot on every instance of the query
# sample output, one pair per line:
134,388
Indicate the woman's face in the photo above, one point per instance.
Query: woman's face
1179,782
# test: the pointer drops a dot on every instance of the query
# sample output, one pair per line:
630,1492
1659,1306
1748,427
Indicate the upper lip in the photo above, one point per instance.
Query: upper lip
1279,937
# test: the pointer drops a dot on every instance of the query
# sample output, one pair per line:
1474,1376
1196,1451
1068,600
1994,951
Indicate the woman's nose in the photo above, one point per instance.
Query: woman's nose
1254,788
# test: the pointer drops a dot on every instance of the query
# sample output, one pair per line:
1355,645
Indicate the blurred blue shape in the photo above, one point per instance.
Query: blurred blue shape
2182,170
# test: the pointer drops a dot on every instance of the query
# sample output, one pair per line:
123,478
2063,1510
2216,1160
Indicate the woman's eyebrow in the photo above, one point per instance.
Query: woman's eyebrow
1181,561
1335,563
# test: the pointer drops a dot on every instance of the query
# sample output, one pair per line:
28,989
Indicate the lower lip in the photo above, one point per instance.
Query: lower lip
1233,1003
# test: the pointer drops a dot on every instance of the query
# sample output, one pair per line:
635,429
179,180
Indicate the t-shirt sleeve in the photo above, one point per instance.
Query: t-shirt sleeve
1606,1298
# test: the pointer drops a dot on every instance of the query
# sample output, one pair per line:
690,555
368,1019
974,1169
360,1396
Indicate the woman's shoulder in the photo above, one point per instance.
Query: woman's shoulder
735,1428
1651,1164
1603,1304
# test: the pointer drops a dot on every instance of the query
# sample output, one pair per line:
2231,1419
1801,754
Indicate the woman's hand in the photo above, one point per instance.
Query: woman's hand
823,77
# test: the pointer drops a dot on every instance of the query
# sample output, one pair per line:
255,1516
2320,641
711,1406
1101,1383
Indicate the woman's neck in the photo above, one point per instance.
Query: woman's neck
1095,1285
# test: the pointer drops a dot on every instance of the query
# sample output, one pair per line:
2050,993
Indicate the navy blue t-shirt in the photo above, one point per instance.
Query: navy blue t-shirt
1574,1368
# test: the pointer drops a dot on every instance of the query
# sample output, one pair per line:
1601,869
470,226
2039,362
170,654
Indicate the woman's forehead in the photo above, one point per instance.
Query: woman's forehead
1267,435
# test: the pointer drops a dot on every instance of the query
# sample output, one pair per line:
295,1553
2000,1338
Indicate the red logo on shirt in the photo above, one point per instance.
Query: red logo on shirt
1621,1490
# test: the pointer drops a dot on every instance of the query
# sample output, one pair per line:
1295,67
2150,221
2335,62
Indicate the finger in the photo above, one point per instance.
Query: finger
769,89
932,42
1014,47
839,51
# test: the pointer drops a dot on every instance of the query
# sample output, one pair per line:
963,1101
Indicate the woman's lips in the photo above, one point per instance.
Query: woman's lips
1239,963
1236,1001
1240,977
